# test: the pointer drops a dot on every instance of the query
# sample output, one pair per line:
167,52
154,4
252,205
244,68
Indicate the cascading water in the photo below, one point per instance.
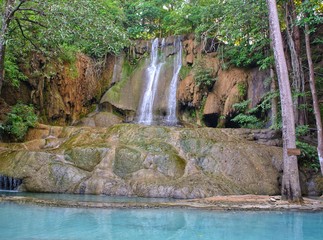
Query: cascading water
157,104
9,183
171,118
153,71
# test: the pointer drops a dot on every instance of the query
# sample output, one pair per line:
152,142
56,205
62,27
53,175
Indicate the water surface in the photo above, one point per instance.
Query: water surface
33,222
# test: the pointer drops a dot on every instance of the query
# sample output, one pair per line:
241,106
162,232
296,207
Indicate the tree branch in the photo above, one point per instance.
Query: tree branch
23,34
32,21
33,10
12,13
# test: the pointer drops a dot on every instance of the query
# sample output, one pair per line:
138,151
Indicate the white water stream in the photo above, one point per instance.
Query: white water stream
151,87
171,118
153,71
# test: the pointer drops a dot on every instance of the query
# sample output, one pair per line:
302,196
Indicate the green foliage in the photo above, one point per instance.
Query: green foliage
94,27
302,130
203,76
242,106
67,53
245,119
252,118
13,73
20,118
266,63
248,121
242,89
308,157
143,18
184,71
246,35
310,13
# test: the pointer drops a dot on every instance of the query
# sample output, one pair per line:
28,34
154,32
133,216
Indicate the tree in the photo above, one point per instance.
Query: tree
310,17
290,184
314,97
94,27
8,10
294,44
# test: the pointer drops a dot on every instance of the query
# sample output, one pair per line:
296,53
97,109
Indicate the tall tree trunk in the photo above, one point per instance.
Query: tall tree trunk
290,185
274,101
298,80
314,97
2,55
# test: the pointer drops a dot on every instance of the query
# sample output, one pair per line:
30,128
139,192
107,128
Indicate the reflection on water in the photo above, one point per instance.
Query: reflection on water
33,222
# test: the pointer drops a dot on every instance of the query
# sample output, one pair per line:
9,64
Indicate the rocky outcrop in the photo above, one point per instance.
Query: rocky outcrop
231,85
230,88
146,161
62,92
126,92
188,92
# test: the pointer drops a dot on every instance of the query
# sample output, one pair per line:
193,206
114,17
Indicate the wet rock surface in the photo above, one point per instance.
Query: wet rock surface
227,203
147,161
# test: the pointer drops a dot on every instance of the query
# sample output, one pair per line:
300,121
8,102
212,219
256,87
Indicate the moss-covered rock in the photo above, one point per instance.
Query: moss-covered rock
149,161
85,157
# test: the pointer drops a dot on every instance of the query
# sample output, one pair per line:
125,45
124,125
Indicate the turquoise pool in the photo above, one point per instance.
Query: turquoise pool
28,222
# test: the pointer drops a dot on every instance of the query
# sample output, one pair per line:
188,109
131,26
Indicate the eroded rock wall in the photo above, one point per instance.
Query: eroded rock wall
62,92
213,106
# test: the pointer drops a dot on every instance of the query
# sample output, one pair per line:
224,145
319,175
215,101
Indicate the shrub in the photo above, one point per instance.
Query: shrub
20,118
203,77
248,121
308,157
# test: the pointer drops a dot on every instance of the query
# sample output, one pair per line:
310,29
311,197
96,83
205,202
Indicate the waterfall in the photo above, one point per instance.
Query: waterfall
171,118
153,71
9,183
157,104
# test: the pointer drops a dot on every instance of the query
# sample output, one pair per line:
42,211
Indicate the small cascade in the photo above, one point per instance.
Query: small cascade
9,183
153,71
171,118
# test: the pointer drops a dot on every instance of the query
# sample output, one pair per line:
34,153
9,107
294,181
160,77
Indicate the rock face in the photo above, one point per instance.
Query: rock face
128,91
62,92
231,85
226,92
137,160
100,119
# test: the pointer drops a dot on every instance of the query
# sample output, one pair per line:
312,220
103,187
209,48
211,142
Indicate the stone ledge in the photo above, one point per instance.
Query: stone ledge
224,203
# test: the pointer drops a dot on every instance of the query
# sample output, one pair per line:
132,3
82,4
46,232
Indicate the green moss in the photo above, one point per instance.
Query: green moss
128,160
72,71
185,70
114,93
85,158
